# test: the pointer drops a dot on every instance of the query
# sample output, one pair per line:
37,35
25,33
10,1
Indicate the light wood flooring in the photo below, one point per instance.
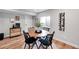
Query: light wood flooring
18,43
12,43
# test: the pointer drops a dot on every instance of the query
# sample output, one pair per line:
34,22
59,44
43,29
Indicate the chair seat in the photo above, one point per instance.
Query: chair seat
45,42
30,40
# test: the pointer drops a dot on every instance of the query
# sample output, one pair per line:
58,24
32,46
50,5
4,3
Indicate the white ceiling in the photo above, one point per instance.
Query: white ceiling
23,11
31,10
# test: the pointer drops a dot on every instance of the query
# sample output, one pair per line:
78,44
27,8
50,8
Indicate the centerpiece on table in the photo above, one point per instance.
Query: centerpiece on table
38,25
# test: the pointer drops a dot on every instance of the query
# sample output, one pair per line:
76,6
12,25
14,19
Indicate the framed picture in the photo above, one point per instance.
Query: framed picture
17,18
62,21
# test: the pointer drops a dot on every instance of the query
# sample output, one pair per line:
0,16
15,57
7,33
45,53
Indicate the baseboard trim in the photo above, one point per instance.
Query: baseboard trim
67,43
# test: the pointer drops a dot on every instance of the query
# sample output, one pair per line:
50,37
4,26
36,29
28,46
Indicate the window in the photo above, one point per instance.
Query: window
45,21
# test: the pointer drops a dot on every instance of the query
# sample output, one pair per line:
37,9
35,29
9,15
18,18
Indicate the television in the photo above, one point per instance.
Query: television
17,25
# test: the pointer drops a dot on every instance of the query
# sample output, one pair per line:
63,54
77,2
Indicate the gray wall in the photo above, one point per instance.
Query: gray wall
5,23
28,22
71,24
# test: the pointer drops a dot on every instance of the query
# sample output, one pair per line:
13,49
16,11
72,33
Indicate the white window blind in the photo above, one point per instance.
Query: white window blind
45,20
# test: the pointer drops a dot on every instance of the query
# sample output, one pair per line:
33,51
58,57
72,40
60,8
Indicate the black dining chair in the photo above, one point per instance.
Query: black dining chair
29,40
46,41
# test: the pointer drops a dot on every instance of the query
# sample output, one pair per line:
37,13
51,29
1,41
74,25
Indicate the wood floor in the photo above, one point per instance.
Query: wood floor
18,43
12,43
62,45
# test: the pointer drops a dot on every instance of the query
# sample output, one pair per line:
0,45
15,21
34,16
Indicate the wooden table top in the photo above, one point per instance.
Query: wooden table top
33,34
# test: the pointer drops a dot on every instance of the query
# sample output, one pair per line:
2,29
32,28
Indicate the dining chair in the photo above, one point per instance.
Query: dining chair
29,40
46,41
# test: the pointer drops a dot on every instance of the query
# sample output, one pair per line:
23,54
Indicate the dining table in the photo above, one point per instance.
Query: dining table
36,34
32,33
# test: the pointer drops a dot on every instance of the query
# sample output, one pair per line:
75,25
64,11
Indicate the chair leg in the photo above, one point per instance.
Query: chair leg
25,46
46,47
51,47
33,45
29,46
36,45
39,46
43,47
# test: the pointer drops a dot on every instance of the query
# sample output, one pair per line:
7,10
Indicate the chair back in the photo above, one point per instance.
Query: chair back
26,35
50,37
53,34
